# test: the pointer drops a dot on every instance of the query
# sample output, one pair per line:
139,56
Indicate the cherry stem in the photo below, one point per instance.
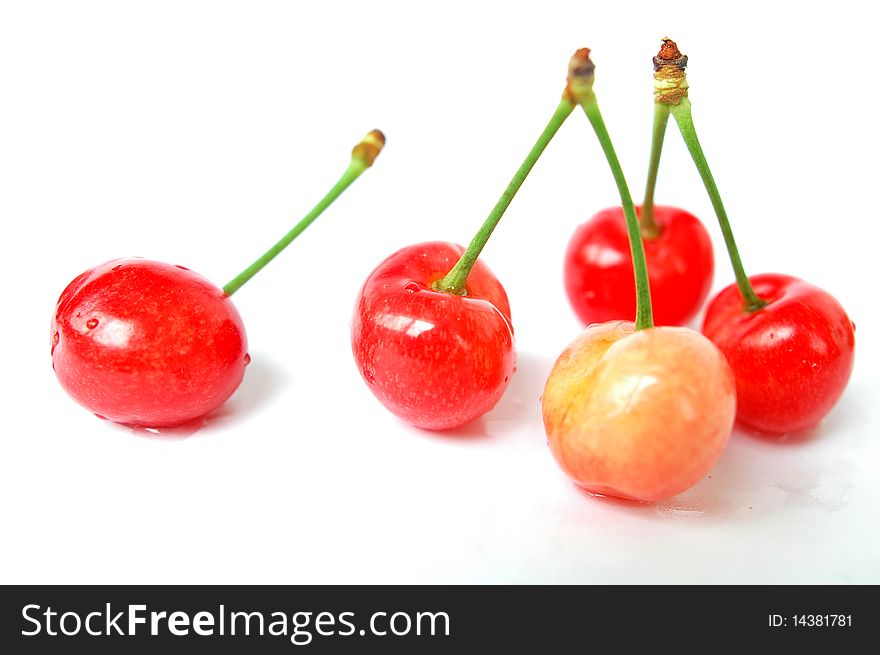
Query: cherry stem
455,280
650,229
682,114
362,157
644,314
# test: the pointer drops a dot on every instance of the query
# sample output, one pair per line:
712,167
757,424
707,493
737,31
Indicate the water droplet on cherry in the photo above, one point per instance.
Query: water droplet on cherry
368,376
182,268
92,323
412,287
117,267
247,359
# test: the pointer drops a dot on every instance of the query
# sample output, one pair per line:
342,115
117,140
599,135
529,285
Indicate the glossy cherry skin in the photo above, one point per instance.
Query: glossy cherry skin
791,359
436,360
641,415
599,274
144,343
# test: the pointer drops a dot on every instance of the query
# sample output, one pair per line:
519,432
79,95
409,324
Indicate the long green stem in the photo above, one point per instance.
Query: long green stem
682,114
361,159
650,229
644,314
455,281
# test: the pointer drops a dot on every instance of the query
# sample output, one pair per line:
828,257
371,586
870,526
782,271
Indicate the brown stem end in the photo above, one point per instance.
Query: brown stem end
669,51
369,147
579,85
670,79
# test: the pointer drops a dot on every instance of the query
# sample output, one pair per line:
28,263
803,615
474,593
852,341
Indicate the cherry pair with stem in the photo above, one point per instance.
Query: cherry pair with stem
789,343
598,272
150,344
632,410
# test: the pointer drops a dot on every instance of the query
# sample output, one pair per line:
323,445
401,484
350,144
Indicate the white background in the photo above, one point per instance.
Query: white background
198,132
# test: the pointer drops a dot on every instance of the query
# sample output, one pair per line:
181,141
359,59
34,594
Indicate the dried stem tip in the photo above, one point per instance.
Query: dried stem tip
669,51
670,55
670,79
579,87
369,148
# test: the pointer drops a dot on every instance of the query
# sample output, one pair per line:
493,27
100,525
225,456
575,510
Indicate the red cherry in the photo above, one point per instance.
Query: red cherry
154,345
790,344
599,273
435,359
431,332
146,343
791,359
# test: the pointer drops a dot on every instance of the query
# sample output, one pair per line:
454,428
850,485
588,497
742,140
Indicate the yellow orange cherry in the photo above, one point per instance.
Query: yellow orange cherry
641,415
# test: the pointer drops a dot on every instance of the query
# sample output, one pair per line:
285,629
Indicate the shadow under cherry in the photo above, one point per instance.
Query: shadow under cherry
520,405
262,381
